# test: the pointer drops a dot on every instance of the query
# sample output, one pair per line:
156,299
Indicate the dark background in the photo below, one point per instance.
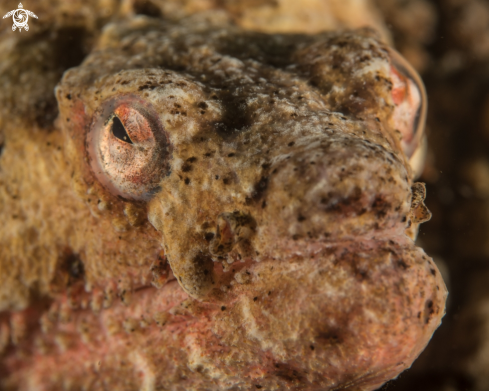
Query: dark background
448,41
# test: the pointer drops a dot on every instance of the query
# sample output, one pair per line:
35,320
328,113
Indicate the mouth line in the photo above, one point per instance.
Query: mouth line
169,323
69,312
51,327
76,301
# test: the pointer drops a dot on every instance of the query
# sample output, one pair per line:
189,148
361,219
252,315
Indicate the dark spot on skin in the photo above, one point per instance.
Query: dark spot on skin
231,154
301,218
123,293
202,105
288,373
361,274
146,7
258,386
45,112
148,86
255,298
68,96
1,149
69,270
381,207
329,337
217,177
209,236
187,181
264,204
402,264
75,267
187,166
429,311
312,347
226,181
403,220
335,203
260,189
377,119
433,272
235,118
223,308
295,237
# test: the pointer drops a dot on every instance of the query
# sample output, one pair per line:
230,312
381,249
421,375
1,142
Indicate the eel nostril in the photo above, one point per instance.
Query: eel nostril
233,233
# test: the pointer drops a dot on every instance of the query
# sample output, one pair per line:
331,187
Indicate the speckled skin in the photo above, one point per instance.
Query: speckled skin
287,142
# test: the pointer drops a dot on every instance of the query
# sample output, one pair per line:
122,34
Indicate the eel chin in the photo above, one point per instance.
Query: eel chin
343,316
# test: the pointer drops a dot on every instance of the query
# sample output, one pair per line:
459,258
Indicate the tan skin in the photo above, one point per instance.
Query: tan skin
227,209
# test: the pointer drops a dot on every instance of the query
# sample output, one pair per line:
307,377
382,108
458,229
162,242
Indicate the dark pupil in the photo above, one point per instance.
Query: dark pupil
119,131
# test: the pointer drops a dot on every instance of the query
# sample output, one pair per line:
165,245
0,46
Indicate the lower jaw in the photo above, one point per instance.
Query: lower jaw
347,316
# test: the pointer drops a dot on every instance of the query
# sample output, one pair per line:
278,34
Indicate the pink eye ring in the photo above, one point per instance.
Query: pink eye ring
128,149
409,96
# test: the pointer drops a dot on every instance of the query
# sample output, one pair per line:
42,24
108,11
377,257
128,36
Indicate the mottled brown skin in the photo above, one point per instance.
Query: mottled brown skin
282,216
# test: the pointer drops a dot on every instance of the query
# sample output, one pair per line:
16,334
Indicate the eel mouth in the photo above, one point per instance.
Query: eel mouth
321,320
333,295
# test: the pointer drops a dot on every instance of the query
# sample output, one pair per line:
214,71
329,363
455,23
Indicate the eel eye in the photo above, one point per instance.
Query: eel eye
411,104
128,149
119,131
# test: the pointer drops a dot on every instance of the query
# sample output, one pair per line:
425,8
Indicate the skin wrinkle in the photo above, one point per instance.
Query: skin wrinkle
272,247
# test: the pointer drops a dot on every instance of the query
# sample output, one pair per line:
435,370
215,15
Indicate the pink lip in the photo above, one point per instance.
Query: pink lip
318,321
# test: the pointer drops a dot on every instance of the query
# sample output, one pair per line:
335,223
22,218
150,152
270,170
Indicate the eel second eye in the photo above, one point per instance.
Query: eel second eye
128,148
119,131
409,96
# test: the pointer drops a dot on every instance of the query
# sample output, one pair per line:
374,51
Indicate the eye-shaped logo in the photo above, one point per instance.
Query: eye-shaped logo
20,17
128,149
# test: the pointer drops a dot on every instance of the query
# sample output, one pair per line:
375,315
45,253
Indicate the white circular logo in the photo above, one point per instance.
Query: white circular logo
20,17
